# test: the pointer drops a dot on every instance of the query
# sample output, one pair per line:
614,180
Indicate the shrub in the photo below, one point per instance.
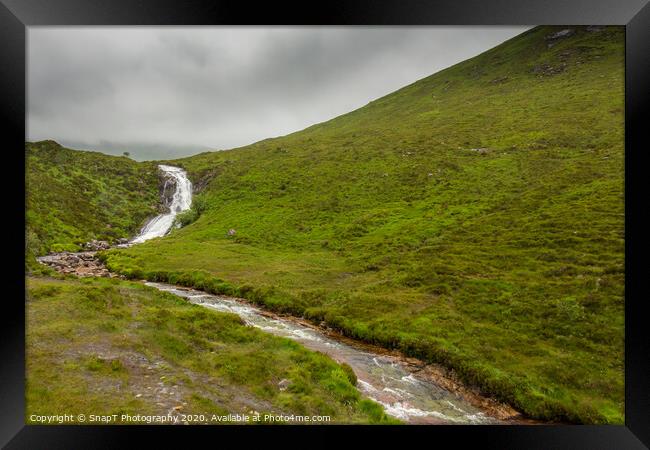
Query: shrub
199,205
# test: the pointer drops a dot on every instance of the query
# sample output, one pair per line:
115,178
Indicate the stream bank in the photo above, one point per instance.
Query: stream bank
407,388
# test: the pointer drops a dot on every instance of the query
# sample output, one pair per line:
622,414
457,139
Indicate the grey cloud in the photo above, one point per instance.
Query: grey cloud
163,92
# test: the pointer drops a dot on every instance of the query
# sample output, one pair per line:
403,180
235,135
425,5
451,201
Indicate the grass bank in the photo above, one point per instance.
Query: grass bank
516,390
103,347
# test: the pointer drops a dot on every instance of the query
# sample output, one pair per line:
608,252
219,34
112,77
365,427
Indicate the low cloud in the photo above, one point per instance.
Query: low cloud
167,92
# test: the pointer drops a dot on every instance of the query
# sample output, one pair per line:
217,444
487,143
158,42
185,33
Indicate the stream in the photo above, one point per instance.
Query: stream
388,380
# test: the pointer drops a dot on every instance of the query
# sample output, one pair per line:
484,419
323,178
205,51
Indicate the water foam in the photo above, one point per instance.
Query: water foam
181,201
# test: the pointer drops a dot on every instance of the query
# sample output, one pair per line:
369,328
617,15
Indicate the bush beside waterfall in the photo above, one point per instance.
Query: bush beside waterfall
199,204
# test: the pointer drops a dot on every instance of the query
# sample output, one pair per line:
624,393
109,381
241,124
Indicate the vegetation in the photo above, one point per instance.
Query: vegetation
474,218
191,215
103,346
75,196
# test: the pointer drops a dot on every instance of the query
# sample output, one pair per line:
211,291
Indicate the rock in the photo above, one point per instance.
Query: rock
560,34
97,245
204,181
547,69
167,189
284,384
481,150
232,232
554,38
83,264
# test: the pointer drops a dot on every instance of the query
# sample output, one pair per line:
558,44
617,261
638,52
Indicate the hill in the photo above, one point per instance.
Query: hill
473,218
74,196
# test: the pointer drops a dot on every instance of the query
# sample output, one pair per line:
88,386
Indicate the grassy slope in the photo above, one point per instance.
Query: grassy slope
506,266
109,347
74,196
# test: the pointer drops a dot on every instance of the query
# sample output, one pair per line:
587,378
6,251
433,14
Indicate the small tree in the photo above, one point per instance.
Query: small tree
127,154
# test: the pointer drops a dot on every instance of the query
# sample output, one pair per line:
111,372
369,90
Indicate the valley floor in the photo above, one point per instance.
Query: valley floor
560,367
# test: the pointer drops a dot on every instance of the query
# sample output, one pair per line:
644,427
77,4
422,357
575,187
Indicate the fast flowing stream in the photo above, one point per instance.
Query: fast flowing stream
384,378
180,201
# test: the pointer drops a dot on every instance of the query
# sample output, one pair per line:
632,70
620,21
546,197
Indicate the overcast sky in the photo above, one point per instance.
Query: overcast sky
166,92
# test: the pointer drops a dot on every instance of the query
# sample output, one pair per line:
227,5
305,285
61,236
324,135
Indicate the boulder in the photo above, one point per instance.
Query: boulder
97,245
554,38
546,69
284,384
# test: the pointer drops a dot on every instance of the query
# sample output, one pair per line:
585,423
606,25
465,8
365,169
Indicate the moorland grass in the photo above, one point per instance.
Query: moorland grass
82,335
474,218
75,196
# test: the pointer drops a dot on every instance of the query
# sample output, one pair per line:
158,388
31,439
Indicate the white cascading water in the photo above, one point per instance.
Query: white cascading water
181,201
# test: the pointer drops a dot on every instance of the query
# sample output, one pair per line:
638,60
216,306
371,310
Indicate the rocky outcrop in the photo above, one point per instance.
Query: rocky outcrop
82,264
204,180
554,38
96,245
546,69
167,186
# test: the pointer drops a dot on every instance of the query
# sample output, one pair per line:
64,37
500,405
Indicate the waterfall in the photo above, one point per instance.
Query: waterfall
181,201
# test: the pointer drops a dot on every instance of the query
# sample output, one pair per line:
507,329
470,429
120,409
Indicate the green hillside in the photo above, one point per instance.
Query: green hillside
112,347
473,218
75,196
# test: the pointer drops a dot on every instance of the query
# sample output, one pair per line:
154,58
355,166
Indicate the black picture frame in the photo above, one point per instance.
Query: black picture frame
16,15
